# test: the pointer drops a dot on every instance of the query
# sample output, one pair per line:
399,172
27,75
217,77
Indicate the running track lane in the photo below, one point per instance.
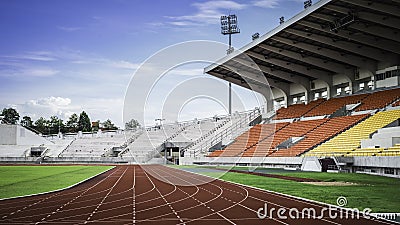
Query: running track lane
134,195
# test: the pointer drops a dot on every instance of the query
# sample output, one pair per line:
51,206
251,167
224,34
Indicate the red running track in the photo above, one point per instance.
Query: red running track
132,195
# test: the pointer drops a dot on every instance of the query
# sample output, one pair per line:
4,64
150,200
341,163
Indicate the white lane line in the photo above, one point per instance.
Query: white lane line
42,220
255,198
98,206
161,205
205,203
182,199
165,200
28,206
235,203
134,196
201,203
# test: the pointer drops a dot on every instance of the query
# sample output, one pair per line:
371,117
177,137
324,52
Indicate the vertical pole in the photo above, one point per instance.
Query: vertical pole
230,84
230,98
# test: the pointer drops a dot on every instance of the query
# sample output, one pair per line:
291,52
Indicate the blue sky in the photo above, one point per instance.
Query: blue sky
59,57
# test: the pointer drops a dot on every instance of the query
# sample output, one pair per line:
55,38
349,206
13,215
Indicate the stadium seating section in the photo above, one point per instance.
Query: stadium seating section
297,110
379,99
330,106
322,133
348,143
337,136
249,139
396,104
295,129
322,107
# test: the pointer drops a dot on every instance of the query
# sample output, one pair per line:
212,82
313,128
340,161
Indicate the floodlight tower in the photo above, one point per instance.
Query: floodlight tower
229,26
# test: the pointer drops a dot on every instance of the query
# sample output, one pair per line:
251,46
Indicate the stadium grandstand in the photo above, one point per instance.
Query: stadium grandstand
333,72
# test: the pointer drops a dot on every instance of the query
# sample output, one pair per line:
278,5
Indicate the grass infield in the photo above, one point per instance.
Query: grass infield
381,194
27,180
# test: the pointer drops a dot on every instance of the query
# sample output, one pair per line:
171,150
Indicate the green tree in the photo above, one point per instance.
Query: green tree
108,125
26,121
84,123
41,125
72,123
10,116
56,125
132,125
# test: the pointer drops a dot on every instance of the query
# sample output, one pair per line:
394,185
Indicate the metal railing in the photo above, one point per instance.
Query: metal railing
232,131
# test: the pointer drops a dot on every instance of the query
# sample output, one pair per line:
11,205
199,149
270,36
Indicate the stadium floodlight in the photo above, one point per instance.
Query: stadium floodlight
307,4
281,19
255,36
229,26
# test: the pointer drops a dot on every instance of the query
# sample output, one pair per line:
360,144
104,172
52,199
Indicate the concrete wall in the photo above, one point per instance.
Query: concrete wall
339,79
364,74
378,161
296,89
384,138
65,160
266,161
311,164
388,82
319,84
18,135
27,137
8,134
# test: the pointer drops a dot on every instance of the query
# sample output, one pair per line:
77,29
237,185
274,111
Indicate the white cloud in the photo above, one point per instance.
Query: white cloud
40,72
53,101
69,29
46,107
122,64
266,3
23,71
33,56
207,13
97,108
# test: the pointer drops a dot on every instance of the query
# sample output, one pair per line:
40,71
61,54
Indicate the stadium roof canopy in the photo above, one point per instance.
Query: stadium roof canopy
328,38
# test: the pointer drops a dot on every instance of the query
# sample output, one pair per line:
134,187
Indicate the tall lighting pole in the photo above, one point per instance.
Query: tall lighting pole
229,26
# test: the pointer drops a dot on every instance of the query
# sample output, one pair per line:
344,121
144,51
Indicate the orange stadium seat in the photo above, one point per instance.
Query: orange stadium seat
295,129
330,106
248,139
298,110
322,133
379,99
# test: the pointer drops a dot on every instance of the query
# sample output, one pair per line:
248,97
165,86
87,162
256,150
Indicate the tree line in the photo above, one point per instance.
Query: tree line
54,124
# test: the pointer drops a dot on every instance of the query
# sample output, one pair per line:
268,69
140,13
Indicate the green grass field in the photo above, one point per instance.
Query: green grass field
381,194
26,180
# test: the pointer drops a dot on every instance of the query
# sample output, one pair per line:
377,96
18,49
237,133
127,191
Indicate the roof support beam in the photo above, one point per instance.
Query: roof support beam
375,5
275,72
230,79
331,66
314,73
375,18
348,46
253,79
349,59
378,31
382,44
